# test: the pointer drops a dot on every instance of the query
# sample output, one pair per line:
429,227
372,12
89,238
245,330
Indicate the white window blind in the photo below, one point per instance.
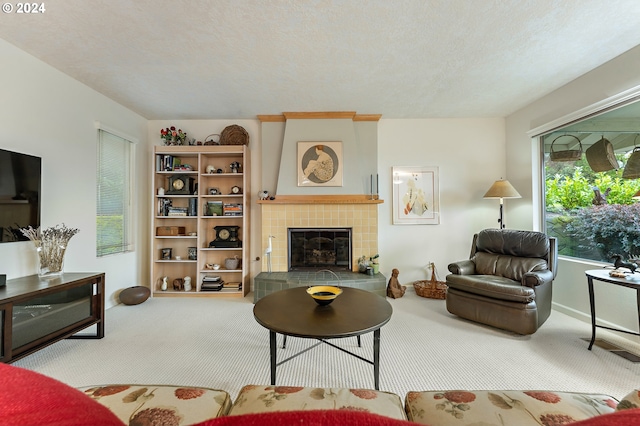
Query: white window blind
114,212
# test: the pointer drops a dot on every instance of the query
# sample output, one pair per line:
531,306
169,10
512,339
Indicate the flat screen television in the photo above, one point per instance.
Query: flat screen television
20,194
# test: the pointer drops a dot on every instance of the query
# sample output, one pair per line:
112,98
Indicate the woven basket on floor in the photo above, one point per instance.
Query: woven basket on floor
234,135
431,288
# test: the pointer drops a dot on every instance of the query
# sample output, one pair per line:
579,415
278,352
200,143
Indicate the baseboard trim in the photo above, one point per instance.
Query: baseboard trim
574,313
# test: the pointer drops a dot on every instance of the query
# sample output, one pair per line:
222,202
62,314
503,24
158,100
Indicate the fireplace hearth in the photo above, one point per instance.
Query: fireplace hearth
319,248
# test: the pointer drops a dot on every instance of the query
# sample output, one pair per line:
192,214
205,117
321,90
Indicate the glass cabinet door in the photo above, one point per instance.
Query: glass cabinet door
40,317
3,333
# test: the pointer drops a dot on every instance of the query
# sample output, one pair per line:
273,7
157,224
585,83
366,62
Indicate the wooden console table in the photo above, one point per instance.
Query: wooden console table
36,312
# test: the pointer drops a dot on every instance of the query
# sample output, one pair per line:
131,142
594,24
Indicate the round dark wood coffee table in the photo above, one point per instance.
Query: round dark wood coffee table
293,312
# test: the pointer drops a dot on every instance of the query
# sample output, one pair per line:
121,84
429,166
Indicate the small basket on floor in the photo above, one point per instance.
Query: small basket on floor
432,288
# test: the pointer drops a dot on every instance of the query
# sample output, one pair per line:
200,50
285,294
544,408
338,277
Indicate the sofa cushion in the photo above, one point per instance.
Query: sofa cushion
520,408
492,286
259,399
632,400
30,398
507,266
513,242
152,405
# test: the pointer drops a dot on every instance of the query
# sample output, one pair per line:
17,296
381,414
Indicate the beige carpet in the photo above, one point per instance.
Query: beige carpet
217,343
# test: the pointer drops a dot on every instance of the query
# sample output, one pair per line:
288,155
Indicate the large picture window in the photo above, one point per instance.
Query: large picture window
591,186
114,213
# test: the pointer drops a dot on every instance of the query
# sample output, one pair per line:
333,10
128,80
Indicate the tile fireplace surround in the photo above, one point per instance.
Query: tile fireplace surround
323,211
358,212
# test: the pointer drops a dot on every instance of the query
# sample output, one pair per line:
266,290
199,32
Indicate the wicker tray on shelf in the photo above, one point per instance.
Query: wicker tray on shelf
234,135
431,288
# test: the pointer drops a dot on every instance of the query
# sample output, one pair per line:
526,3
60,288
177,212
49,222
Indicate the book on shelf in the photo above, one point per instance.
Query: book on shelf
177,211
230,290
210,278
211,286
167,161
170,163
232,209
232,286
164,204
211,289
212,282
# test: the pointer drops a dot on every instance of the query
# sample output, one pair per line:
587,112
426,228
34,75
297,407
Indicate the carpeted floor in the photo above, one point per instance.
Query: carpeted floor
217,343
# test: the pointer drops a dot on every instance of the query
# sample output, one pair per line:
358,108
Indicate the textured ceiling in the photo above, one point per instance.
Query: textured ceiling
169,59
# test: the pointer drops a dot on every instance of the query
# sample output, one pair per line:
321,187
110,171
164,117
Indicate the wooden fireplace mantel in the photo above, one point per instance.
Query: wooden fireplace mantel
324,199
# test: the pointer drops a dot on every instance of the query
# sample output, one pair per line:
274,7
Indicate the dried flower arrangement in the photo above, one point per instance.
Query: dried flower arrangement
51,244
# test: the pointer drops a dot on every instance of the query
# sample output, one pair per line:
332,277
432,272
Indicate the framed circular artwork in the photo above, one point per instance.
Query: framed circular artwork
320,163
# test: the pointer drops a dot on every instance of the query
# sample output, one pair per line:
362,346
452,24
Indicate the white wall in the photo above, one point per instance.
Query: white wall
46,113
470,155
614,305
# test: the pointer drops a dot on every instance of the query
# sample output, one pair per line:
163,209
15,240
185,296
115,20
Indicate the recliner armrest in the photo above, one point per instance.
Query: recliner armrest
536,278
463,267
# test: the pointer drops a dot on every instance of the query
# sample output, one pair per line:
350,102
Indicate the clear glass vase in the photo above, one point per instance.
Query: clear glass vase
50,259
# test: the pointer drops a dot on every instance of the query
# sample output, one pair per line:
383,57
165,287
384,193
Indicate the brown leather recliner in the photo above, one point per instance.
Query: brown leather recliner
506,282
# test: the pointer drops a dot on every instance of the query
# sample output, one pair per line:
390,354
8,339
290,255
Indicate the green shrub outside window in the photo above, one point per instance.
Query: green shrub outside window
583,228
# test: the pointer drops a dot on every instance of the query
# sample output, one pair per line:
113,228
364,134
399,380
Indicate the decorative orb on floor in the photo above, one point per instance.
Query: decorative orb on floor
134,295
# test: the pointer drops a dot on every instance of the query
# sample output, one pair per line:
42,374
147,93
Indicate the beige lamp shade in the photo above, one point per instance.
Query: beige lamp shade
502,189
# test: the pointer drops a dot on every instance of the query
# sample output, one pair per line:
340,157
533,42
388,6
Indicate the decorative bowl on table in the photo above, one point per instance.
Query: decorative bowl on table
324,294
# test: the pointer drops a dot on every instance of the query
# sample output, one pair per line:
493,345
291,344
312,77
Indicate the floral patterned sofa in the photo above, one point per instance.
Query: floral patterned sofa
509,407
29,398
442,408
260,399
179,405
161,404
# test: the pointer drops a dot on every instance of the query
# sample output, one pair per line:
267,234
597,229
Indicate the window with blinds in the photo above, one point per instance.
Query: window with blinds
114,212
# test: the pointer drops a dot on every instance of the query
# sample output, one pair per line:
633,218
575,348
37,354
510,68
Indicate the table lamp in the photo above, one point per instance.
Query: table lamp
502,189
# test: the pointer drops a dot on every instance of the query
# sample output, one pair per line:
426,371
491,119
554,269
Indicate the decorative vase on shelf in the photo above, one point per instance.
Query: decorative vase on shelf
50,260
231,262
51,246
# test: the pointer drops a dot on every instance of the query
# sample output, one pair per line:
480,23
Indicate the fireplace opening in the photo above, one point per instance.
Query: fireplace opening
319,248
